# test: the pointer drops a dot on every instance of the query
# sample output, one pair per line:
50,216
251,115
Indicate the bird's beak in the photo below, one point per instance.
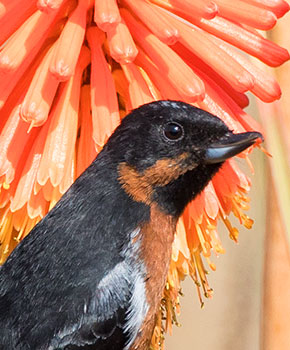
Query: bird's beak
233,145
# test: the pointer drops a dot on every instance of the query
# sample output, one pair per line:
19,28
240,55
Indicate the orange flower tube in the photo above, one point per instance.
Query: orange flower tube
188,85
14,133
60,144
246,40
106,14
199,43
86,147
69,44
103,93
39,97
265,86
152,17
139,92
121,44
200,8
279,7
247,13
37,206
165,87
49,5
193,61
26,40
11,18
25,186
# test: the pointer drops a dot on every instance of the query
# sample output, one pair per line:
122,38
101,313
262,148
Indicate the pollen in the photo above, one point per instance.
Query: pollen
5,186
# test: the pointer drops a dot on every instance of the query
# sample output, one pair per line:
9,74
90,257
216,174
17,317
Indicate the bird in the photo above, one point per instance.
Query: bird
90,274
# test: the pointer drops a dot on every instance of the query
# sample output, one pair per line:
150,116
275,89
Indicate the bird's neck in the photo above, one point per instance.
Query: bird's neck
105,202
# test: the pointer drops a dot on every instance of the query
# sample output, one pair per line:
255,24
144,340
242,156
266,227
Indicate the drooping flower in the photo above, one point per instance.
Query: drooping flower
70,70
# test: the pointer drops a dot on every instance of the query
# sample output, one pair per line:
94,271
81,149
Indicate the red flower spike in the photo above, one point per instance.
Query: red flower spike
107,14
244,180
69,44
188,85
240,11
56,195
104,101
153,18
121,45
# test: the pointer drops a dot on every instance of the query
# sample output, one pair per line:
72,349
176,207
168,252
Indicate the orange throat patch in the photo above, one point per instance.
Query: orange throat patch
140,185
156,246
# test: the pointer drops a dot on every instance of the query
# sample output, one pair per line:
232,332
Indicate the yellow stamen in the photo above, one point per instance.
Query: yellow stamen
234,233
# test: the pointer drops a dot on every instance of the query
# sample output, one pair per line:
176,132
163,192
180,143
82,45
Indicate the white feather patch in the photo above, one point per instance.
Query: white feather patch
138,303
111,287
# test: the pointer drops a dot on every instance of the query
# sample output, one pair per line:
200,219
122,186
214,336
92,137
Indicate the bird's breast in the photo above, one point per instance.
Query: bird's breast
155,250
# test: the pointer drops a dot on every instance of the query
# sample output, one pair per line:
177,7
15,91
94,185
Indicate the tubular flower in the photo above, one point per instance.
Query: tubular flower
71,69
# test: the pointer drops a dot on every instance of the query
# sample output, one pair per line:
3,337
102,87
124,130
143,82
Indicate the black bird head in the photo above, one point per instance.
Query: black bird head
182,147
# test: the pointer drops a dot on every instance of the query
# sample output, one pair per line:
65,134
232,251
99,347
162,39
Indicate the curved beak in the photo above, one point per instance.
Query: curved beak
233,145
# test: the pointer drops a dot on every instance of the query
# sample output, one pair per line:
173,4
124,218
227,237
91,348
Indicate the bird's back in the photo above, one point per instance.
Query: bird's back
59,283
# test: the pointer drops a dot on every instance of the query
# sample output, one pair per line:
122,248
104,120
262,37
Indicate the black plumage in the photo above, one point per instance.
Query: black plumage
77,281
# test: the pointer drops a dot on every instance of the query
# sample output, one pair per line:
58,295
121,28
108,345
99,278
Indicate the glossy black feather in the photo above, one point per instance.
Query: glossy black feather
52,274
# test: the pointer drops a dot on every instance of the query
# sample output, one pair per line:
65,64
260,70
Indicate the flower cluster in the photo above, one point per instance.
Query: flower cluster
70,70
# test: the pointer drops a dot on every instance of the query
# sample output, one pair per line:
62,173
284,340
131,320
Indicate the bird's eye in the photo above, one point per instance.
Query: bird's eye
173,131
